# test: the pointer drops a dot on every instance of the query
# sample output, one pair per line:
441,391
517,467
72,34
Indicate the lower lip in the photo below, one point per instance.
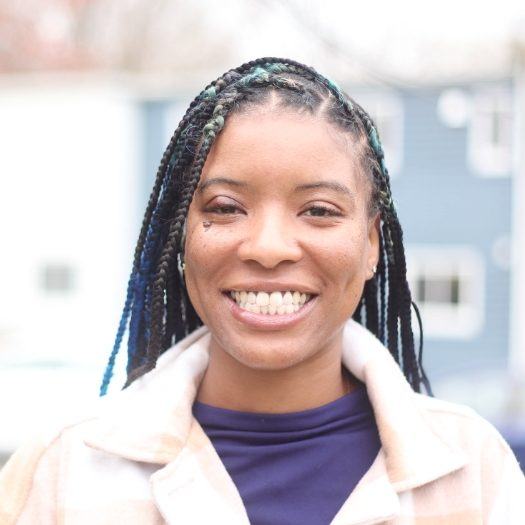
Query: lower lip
268,321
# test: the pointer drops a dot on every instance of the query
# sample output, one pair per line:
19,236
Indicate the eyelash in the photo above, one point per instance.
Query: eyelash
215,209
328,212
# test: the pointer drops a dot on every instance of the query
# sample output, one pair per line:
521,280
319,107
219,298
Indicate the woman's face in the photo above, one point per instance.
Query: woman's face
281,207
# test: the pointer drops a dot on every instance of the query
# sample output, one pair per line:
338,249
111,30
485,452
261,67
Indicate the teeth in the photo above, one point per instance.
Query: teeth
276,298
274,303
263,299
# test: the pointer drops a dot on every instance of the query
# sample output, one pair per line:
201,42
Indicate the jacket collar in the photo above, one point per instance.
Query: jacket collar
414,452
151,420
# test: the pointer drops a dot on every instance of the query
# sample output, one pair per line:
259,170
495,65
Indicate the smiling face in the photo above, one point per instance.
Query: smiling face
281,206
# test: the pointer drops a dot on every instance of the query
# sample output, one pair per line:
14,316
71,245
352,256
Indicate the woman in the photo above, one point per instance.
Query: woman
252,396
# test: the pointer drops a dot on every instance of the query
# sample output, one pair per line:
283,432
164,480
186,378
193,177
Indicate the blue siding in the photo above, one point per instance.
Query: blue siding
440,201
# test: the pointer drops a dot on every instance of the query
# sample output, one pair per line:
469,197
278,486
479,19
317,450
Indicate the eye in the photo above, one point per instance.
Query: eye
223,210
223,207
322,211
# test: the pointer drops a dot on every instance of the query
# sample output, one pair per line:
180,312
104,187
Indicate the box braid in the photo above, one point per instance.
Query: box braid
157,309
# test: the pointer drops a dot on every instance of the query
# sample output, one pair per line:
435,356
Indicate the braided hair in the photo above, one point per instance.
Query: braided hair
157,310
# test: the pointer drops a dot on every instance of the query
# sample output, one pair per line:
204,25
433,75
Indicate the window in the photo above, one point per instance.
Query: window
447,283
490,133
56,278
453,108
386,110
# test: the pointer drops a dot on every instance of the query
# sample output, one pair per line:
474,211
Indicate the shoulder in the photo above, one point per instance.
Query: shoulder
491,464
461,425
34,467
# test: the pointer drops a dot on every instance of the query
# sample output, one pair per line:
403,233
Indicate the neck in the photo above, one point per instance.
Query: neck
230,384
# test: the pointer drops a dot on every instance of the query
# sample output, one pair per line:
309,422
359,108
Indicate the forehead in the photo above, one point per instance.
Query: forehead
279,150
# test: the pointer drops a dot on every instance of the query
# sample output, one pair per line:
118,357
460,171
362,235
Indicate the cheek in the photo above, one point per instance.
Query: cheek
342,263
206,243
208,256
342,254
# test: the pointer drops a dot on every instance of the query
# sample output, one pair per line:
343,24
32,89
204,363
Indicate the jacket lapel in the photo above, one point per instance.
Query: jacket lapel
150,420
196,488
373,500
414,452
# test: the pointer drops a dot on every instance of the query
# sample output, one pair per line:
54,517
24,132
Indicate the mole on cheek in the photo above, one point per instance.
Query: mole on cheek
207,225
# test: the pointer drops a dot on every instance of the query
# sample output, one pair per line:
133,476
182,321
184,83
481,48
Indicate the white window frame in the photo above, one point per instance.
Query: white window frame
485,158
454,107
450,321
382,105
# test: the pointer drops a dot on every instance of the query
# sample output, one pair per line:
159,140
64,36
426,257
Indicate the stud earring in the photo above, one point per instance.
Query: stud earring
374,269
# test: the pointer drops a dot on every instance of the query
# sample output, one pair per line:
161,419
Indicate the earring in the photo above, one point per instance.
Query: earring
374,269
181,266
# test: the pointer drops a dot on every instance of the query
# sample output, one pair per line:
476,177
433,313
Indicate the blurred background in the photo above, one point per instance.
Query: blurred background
91,90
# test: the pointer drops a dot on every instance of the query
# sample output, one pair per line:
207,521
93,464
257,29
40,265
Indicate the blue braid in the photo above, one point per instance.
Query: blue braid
136,296
108,373
141,288
138,309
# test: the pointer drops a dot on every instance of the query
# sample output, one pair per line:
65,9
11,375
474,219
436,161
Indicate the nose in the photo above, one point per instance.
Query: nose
270,240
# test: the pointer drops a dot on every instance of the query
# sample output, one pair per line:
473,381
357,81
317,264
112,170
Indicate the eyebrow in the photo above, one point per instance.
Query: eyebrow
331,185
221,180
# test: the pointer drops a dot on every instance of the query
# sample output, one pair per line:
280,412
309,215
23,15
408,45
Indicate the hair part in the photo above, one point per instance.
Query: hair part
157,310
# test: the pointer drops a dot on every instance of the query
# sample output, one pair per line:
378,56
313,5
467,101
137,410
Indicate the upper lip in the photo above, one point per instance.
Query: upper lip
270,286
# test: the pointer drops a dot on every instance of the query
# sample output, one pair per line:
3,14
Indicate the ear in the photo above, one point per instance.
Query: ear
373,245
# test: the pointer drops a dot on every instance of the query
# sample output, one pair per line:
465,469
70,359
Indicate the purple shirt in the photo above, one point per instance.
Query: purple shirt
298,467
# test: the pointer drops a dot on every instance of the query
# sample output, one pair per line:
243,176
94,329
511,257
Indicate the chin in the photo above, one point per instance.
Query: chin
268,356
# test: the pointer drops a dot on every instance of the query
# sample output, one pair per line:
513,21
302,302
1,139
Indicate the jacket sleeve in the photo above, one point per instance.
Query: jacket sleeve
28,484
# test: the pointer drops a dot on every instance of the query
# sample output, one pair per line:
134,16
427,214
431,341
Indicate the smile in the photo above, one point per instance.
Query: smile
270,303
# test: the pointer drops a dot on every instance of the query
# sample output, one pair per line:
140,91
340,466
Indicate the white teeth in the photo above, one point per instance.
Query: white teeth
276,298
263,299
274,303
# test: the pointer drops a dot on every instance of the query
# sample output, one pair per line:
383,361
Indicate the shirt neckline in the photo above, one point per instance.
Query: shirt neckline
351,405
